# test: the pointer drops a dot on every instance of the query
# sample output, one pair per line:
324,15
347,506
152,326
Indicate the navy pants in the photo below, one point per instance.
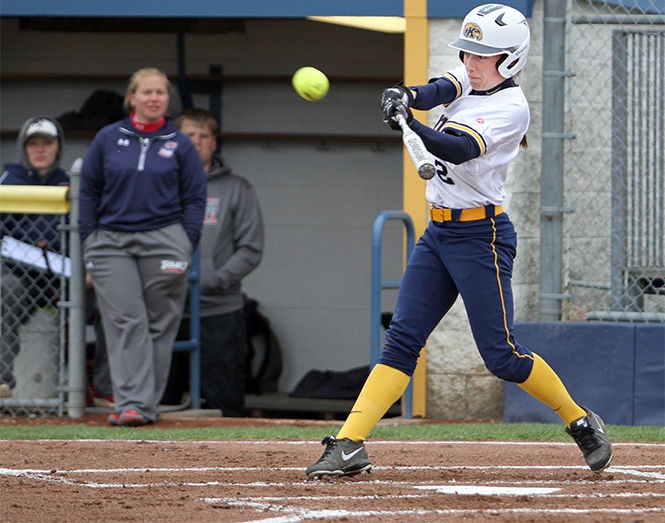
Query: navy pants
473,259
223,354
224,351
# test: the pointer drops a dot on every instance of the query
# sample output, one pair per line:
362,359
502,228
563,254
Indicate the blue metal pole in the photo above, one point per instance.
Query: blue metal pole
378,284
375,349
193,344
195,331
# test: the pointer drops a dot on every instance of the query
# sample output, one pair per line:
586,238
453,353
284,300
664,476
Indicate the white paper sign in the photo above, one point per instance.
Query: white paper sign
34,256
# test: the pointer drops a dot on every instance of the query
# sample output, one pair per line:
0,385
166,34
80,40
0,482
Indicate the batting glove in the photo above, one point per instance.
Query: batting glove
398,93
391,109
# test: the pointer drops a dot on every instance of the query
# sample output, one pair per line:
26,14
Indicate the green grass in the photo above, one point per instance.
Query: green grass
444,431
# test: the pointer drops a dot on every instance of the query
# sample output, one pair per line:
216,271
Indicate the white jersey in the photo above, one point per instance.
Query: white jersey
497,122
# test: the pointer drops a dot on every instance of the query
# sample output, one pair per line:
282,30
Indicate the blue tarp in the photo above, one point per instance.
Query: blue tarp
617,370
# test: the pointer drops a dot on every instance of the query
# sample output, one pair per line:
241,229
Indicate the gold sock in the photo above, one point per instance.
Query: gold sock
384,386
544,385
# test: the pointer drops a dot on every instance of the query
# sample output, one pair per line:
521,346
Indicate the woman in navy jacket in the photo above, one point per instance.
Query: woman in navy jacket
142,202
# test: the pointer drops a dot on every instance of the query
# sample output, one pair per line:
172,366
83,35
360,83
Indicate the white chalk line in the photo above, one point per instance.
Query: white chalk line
297,514
629,470
282,499
290,513
53,475
310,442
49,478
614,468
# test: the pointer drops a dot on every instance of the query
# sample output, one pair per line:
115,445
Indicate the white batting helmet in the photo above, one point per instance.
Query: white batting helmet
496,29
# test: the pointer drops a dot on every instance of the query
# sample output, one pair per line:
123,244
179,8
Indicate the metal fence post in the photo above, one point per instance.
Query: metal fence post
619,169
76,304
551,194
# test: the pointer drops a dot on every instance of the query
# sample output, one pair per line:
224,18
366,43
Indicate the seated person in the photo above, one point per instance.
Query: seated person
39,145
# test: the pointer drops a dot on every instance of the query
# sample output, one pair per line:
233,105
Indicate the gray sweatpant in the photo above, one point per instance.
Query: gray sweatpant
140,280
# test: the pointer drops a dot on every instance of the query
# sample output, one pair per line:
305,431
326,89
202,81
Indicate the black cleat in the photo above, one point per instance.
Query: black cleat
342,457
589,434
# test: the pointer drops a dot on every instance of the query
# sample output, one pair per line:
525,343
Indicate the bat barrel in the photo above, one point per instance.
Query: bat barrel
427,171
416,149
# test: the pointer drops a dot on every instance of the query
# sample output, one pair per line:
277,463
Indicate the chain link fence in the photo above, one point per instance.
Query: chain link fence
33,329
614,161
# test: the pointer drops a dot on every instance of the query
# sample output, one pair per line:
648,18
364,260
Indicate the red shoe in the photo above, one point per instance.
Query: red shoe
132,418
101,400
114,419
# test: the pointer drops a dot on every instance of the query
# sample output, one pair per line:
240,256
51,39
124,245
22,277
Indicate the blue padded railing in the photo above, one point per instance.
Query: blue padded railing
378,284
193,344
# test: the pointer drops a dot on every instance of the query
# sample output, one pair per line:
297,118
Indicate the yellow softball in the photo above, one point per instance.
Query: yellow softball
310,83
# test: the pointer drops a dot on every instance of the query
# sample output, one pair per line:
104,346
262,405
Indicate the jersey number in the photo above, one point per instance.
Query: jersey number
442,172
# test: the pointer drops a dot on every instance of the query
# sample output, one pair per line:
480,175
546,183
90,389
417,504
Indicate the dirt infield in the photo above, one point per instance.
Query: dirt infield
264,481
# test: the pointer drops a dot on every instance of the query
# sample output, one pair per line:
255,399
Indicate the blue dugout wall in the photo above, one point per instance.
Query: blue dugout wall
235,9
617,370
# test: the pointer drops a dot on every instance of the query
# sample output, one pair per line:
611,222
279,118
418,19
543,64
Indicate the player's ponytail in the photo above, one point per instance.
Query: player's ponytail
524,144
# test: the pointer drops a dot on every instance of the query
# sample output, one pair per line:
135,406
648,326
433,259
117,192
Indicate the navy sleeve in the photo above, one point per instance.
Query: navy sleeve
438,91
454,148
193,192
92,184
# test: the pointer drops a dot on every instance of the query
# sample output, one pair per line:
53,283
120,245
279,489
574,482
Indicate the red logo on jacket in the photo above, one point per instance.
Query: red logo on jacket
168,149
212,210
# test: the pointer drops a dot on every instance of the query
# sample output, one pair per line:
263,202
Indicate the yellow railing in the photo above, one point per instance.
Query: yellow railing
34,199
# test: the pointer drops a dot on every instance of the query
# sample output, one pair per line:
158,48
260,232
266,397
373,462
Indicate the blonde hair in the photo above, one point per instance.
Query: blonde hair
199,116
134,80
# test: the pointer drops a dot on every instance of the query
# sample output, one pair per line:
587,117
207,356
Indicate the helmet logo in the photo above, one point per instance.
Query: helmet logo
489,8
472,31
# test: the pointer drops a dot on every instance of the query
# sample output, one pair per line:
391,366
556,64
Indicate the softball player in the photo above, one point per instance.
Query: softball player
470,243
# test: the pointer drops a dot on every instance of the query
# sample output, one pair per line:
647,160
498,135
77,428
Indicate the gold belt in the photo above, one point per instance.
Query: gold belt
465,215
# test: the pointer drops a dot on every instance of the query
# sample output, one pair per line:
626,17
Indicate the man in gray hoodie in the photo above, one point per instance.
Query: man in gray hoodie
231,247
